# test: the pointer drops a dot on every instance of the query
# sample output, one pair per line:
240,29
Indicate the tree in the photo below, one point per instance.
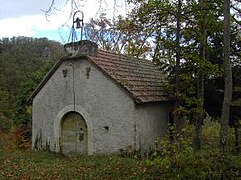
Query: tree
235,113
227,77
56,5
200,79
185,37
117,35
105,33
20,58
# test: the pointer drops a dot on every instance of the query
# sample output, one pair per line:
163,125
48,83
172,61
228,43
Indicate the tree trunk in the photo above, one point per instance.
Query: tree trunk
199,116
227,78
177,119
200,83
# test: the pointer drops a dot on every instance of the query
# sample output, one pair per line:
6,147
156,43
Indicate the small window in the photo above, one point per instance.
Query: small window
106,128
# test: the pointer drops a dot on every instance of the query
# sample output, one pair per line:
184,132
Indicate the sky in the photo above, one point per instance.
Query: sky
26,17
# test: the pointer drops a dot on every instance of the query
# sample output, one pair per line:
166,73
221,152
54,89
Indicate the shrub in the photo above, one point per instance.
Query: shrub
19,139
170,156
178,160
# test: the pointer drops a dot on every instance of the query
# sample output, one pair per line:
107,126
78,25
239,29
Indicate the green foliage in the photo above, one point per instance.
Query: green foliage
22,113
178,156
23,63
170,154
159,18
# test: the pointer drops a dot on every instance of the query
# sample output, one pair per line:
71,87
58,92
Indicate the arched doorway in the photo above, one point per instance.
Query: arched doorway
74,137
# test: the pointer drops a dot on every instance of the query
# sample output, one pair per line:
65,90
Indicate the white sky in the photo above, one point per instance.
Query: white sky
25,17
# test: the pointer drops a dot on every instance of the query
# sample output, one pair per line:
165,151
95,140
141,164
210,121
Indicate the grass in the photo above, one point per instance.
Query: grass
45,165
174,161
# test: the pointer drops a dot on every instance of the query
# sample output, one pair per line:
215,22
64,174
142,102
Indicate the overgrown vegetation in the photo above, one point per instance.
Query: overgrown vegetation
185,38
24,61
209,163
175,160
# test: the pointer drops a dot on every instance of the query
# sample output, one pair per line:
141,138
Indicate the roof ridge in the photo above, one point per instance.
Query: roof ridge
126,56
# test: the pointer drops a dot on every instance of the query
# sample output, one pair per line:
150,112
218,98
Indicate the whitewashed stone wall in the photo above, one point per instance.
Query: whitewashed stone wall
113,119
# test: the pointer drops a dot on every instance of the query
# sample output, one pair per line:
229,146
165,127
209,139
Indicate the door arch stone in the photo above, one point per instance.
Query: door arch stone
57,126
74,134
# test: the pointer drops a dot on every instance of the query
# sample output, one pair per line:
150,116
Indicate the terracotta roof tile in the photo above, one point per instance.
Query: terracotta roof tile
140,77
143,80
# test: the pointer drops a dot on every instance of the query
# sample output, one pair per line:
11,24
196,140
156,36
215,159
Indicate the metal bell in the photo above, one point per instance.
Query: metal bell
78,21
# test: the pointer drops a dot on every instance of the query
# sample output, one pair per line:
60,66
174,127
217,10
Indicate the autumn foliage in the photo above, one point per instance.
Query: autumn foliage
17,139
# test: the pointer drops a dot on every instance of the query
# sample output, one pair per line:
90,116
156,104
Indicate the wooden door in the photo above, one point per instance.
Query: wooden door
74,137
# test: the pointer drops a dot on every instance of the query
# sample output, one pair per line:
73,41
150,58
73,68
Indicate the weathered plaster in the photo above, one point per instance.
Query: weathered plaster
153,119
114,120
100,101
109,106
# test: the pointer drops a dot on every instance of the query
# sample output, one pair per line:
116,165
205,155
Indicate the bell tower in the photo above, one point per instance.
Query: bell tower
76,45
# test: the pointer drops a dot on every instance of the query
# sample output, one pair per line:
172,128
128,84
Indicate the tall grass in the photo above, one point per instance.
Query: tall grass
208,163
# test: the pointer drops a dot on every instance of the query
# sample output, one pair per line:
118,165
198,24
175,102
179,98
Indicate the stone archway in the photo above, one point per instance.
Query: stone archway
74,134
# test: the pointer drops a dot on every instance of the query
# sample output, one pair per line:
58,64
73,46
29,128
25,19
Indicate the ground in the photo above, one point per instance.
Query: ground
45,165
17,161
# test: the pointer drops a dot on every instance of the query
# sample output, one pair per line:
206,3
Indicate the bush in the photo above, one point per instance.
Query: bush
19,139
178,160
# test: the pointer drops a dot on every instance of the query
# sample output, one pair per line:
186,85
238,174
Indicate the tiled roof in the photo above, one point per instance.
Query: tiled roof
141,78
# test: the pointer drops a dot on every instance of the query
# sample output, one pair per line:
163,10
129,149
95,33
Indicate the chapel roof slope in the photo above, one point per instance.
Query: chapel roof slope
140,77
